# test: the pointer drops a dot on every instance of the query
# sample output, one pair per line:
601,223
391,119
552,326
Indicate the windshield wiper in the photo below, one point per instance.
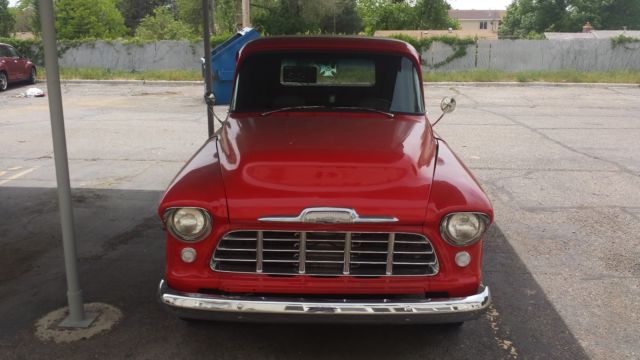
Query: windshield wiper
289,108
358,108
311,107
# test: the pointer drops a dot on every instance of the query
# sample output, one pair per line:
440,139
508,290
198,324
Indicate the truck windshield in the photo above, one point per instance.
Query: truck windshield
270,81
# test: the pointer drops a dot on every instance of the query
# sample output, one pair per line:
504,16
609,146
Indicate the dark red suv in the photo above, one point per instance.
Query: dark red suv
14,67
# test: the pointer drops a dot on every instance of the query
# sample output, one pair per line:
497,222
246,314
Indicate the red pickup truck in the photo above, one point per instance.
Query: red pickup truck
326,196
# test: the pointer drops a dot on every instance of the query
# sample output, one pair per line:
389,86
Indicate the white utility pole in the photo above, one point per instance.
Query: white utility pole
77,318
246,15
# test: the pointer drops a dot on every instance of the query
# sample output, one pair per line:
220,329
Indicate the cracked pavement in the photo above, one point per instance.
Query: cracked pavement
561,165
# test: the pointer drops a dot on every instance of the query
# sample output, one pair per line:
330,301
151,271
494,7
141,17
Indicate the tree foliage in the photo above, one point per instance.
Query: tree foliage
433,14
28,16
530,18
386,15
277,17
225,16
190,13
405,15
134,11
24,19
283,17
78,19
161,25
7,19
606,14
340,17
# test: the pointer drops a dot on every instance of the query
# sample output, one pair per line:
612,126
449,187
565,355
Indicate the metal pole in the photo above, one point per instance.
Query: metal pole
76,316
209,98
246,17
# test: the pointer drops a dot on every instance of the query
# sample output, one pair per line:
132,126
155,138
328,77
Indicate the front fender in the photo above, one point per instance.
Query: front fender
199,184
455,189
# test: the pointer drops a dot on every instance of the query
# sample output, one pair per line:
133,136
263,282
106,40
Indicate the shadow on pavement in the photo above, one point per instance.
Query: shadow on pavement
121,249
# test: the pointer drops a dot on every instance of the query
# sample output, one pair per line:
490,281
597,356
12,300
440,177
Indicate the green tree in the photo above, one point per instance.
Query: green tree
7,19
386,15
225,16
162,26
77,19
529,18
223,19
433,14
190,13
134,11
340,17
284,17
24,19
30,9
405,15
606,14
551,15
519,20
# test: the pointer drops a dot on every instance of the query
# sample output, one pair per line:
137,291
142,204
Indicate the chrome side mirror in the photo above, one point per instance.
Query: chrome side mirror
448,105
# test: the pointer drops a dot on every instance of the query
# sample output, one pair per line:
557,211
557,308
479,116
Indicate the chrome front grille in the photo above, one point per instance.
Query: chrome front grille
325,253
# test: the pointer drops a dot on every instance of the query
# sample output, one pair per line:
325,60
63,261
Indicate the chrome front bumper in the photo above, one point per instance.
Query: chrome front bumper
255,308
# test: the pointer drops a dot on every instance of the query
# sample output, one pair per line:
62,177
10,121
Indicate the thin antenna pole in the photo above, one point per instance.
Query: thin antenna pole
208,96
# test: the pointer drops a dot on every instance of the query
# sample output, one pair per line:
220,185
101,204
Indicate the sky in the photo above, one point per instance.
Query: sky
479,5
456,4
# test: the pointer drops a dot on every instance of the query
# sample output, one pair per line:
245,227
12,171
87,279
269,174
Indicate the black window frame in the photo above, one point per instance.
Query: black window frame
417,69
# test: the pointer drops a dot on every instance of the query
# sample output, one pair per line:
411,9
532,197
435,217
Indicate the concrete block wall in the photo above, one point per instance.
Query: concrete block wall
160,55
532,55
506,55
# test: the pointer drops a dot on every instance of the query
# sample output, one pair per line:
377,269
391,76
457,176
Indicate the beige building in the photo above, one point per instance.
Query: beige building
481,24
484,23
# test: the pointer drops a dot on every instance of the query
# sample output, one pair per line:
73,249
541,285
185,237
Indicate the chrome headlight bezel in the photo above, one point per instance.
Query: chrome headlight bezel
169,220
483,221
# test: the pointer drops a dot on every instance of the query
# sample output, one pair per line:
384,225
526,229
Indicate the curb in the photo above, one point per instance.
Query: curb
134,82
531,84
444,83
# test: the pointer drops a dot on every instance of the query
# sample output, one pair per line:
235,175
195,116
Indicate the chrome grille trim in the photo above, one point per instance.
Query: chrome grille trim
346,266
392,238
259,252
325,253
302,257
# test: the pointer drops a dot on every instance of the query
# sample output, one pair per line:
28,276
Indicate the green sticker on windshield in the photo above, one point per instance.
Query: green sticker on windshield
328,70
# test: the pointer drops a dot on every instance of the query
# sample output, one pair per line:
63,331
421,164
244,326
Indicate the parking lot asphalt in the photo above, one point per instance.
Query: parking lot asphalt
561,165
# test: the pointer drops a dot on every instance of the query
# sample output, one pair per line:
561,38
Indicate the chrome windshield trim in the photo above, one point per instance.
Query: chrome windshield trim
453,309
329,215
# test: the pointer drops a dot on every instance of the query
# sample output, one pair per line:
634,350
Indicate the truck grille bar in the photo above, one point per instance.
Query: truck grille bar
325,253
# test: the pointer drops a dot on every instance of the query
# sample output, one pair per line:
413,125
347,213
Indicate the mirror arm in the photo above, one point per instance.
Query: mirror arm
440,118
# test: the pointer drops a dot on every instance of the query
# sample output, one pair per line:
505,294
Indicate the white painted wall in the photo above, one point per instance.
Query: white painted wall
532,55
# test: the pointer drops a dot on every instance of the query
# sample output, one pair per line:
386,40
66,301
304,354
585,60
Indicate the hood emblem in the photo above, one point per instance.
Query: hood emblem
329,215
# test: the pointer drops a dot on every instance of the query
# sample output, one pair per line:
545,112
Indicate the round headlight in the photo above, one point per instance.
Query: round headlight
189,224
465,228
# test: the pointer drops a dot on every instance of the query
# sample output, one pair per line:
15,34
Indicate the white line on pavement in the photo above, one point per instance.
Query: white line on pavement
15,176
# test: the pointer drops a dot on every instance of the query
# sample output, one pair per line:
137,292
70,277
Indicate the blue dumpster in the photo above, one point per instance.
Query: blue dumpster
223,63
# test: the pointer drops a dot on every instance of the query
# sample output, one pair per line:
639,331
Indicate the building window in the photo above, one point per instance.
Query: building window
483,25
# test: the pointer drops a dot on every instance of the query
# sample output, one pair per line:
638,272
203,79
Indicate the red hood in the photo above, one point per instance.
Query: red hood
280,164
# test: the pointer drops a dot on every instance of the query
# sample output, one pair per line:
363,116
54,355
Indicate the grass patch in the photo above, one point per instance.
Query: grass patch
106,74
558,76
